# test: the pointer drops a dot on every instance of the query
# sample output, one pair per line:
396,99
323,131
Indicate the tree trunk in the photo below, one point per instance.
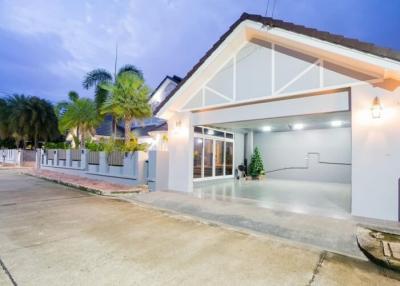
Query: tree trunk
114,127
83,138
128,124
78,135
36,139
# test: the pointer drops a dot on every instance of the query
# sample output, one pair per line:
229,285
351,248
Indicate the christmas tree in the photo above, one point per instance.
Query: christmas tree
256,167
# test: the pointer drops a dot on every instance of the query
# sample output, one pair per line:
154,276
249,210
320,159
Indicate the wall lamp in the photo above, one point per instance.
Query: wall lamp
376,108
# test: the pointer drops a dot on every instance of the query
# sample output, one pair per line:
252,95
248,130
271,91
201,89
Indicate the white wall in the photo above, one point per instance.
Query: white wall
281,150
180,149
376,152
239,149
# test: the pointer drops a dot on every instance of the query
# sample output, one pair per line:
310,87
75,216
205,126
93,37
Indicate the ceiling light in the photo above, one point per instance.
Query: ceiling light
336,123
298,126
210,132
266,128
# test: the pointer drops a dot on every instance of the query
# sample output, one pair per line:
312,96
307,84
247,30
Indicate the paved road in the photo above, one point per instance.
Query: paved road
54,235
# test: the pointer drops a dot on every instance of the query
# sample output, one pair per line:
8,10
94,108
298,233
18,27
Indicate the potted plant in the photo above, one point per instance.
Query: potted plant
256,167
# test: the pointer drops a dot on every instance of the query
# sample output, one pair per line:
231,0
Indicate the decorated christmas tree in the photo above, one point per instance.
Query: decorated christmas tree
256,167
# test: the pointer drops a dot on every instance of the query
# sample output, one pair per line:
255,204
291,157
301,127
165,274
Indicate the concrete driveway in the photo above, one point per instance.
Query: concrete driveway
54,235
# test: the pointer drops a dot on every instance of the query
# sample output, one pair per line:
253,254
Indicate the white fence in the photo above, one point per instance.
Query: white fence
120,167
11,156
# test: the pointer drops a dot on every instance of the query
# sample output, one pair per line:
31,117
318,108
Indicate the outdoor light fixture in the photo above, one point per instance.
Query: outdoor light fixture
376,108
298,126
336,123
266,128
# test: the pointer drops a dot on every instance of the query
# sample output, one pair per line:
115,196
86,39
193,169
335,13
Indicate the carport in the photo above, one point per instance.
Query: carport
307,161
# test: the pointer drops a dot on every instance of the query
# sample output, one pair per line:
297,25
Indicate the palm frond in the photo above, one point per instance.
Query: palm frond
130,69
95,77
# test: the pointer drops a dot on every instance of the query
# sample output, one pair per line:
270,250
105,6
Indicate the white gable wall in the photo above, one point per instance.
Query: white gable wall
264,70
265,79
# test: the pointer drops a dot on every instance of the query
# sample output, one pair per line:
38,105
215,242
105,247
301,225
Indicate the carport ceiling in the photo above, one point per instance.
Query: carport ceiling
282,124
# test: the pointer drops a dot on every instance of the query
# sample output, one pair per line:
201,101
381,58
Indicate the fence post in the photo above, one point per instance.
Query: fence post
38,158
130,158
84,159
103,166
140,167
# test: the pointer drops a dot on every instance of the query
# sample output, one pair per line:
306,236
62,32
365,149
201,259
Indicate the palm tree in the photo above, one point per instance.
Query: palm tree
129,100
31,118
43,120
4,119
79,113
19,118
97,77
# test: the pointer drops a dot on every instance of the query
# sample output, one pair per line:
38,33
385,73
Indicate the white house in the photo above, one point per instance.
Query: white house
321,108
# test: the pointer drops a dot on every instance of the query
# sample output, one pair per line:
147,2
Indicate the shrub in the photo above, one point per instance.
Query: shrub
94,146
56,145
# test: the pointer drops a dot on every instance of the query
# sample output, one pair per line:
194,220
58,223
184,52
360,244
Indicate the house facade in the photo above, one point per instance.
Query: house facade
320,108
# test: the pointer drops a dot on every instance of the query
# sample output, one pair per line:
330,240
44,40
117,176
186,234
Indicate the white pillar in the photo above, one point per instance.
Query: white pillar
180,148
84,159
103,166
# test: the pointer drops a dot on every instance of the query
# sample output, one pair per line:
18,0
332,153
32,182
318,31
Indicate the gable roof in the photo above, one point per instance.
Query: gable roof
268,21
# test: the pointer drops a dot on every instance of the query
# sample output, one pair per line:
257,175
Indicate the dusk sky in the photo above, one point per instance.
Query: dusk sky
46,47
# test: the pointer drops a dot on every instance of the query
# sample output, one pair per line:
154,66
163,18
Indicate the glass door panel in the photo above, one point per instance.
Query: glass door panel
229,158
219,158
208,158
197,157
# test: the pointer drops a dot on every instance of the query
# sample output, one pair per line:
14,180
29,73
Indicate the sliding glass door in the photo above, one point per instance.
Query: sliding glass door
208,158
219,158
228,158
212,154
197,158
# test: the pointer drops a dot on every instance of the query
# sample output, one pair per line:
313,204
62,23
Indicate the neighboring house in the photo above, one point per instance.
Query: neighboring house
153,124
321,108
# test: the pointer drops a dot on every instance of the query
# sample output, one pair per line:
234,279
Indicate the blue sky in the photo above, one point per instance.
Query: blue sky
46,47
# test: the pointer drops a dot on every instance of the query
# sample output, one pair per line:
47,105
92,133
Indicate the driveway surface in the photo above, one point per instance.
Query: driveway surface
55,235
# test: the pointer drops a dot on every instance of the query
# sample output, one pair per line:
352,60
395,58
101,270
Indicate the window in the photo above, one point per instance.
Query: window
208,158
212,153
219,158
197,157
229,158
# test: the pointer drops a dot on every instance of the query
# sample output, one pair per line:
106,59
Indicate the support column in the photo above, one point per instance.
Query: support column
180,147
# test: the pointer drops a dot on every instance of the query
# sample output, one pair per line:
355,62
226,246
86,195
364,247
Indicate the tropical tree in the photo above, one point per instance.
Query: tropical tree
4,119
128,100
98,77
80,114
43,120
31,118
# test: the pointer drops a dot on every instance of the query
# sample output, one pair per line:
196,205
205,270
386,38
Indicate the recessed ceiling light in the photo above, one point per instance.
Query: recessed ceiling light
266,128
336,123
298,126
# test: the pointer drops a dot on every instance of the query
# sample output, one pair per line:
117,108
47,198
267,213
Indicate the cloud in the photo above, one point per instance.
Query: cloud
48,46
